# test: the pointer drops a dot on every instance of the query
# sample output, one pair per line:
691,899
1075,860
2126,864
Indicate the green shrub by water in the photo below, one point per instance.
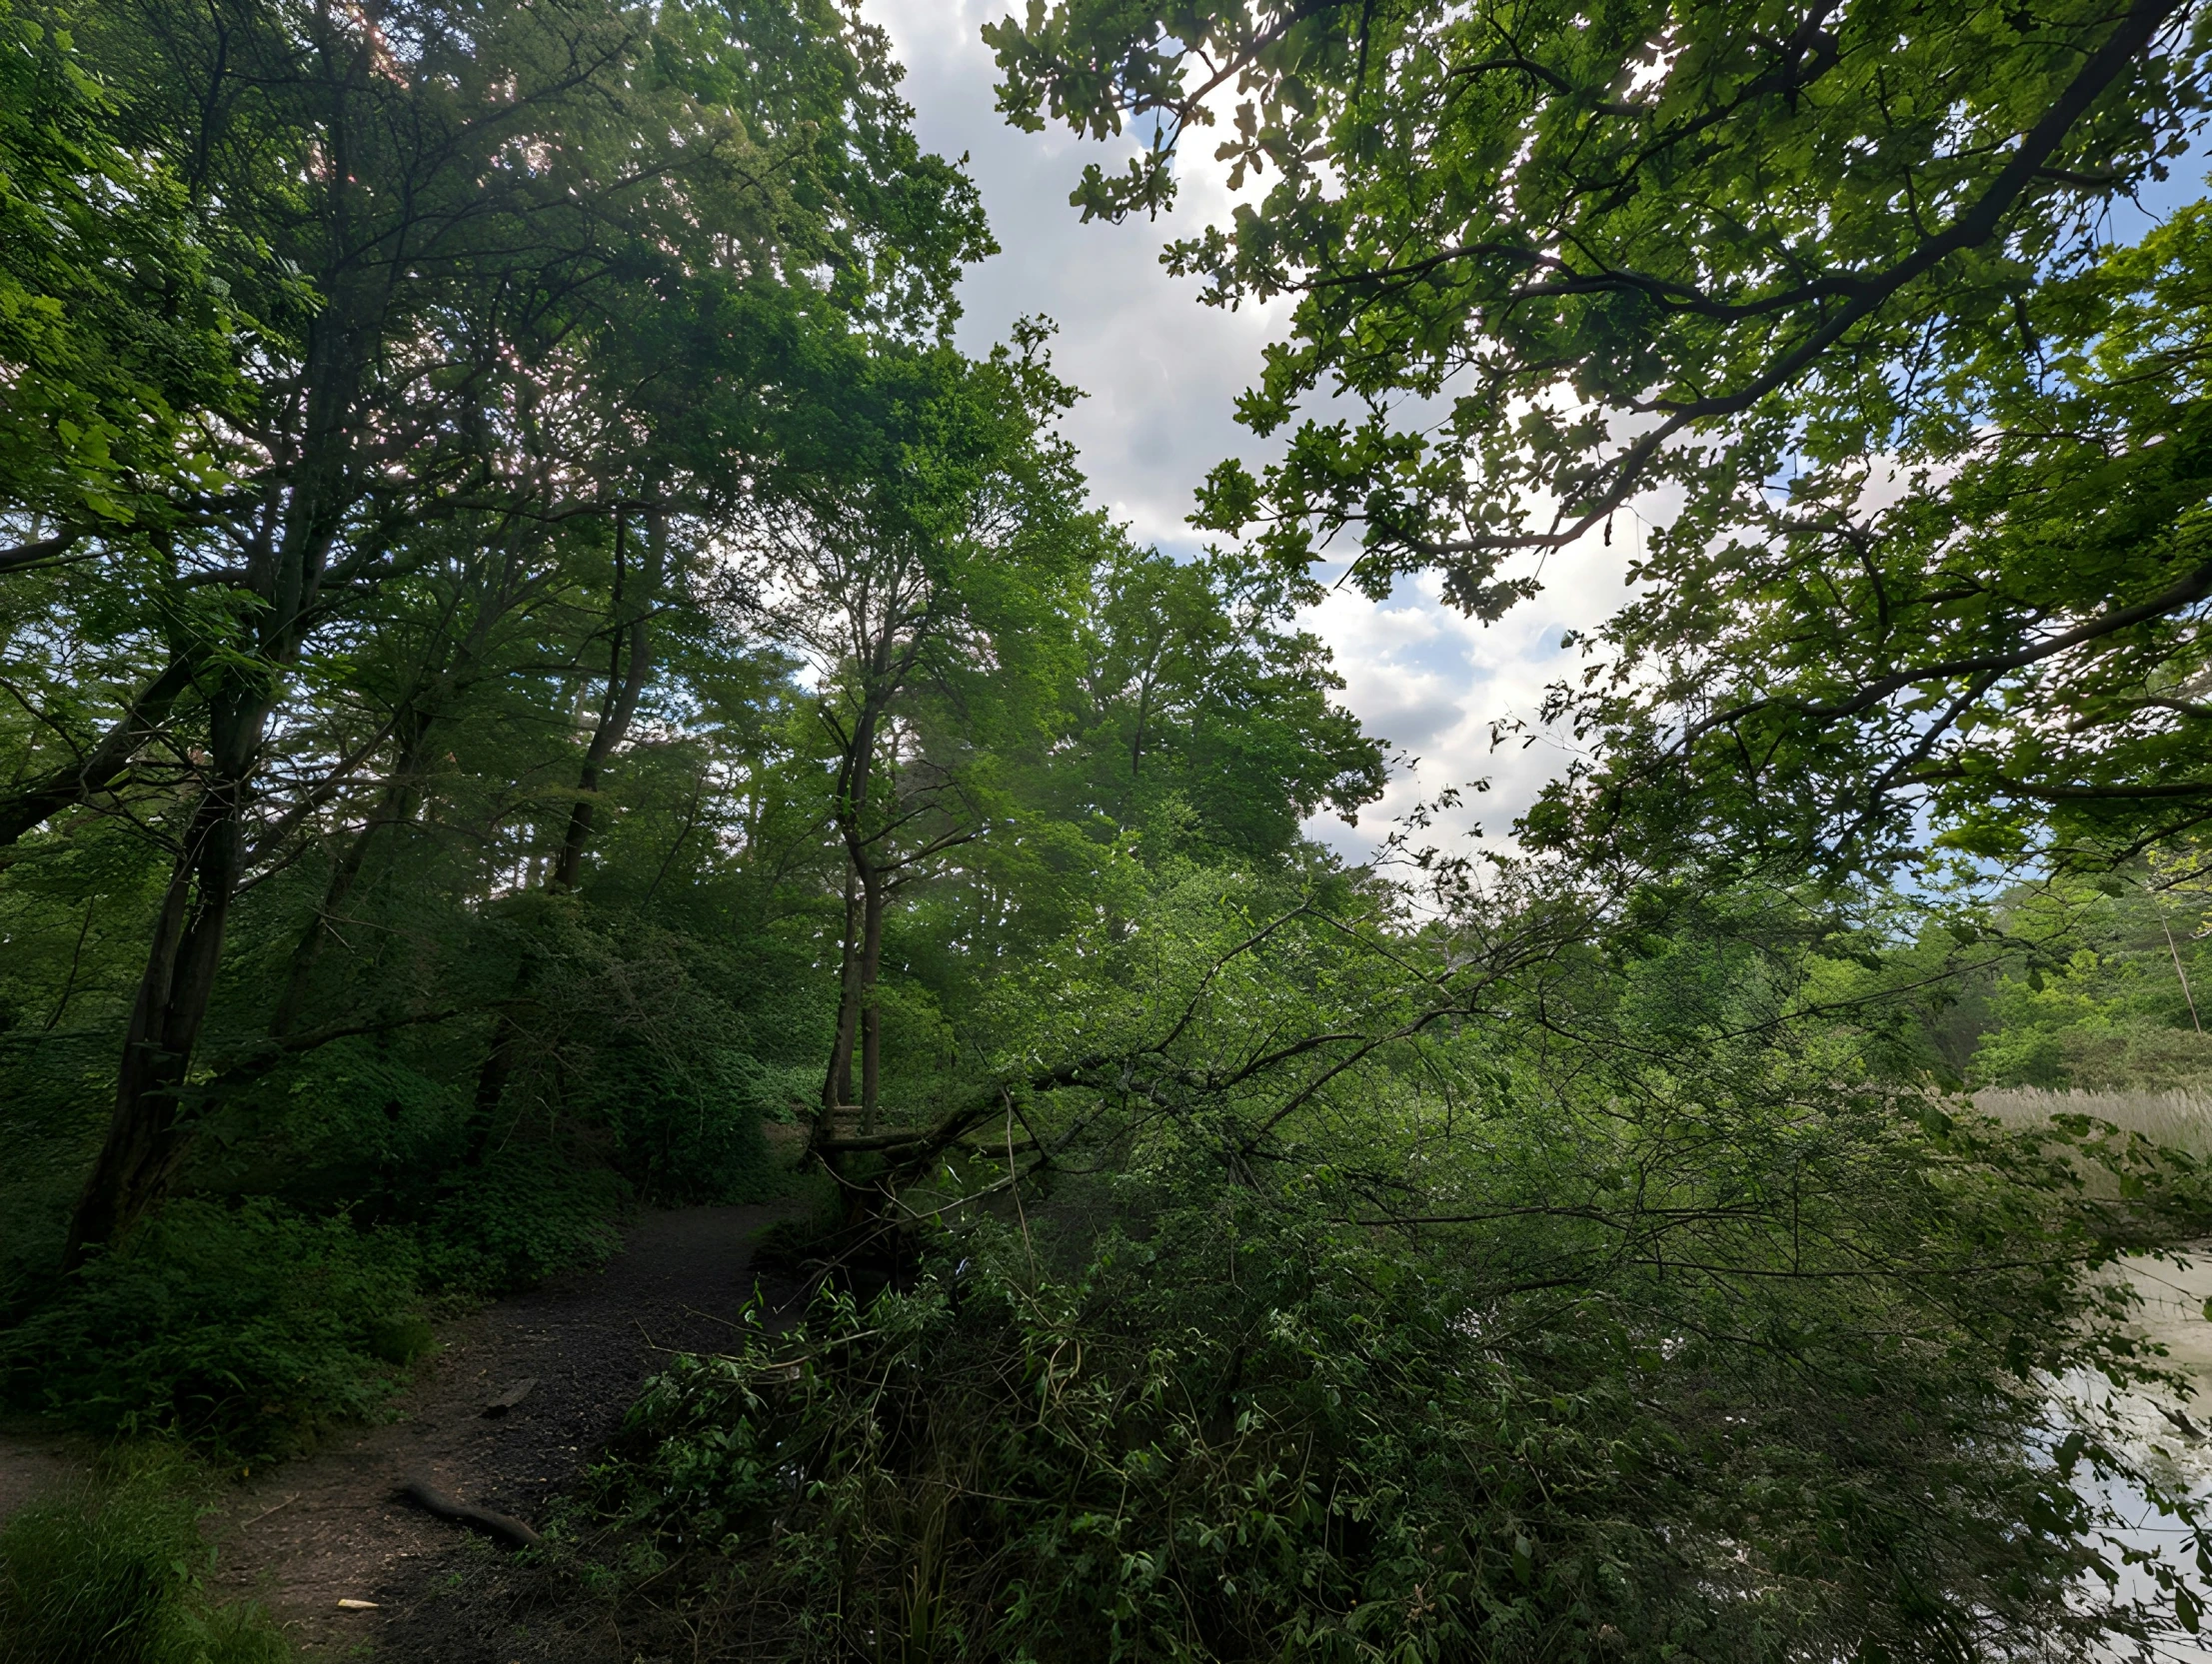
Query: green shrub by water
1652,1335
111,1573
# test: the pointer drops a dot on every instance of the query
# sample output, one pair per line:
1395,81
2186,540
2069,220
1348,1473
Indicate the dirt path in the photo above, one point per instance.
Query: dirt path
332,1527
35,1460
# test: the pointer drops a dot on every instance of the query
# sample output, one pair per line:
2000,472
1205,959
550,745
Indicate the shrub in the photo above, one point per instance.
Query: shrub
521,1216
1220,1431
683,1136
240,1328
401,1340
1331,1314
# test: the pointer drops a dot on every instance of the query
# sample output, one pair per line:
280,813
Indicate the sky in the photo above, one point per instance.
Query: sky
1162,374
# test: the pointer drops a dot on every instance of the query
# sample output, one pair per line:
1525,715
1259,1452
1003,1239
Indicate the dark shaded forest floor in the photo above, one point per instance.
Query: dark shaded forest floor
332,1526
34,1461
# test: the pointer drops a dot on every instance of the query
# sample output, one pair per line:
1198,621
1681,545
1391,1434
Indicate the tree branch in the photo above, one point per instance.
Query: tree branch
104,764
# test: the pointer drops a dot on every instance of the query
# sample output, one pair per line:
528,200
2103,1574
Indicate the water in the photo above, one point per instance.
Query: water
2177,1454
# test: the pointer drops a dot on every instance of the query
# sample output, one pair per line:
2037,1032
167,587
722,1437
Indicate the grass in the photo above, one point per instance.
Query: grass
2180,1118
111,1573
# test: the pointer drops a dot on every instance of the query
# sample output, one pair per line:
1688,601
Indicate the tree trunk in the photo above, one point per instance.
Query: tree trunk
872,959
396,808
836,1088
856,777
150,1127
630,663
836,1085
492,1079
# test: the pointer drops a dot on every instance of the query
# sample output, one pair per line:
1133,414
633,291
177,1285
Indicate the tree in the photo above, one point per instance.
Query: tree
2008,652
1193,690
927,522
1452,1290
444,224
1602,236
114,334
1728,267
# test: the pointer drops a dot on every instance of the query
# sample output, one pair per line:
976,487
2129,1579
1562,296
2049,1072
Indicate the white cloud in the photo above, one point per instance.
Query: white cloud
1162,373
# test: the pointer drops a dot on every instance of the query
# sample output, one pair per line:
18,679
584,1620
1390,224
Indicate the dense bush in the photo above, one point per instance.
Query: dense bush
1229,1433
243,1329
335,1201
518,1220
683,1136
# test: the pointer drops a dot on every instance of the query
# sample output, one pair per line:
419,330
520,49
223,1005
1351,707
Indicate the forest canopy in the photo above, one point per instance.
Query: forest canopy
1827,296
544,682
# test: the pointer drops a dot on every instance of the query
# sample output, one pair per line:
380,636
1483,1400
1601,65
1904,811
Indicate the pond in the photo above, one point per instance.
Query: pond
2171,1435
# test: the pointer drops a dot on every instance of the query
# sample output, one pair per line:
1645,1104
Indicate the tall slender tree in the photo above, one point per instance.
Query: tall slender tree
929,514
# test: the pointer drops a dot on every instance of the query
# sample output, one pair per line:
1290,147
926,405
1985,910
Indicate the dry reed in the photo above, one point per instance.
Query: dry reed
2181,1118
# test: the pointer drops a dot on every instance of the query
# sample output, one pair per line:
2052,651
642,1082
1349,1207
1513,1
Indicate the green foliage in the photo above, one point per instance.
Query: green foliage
246,1330
490,237
515,1221
110,1574
1816,309
681,1139
2056,983
402,1340
1196,694
477,852
1343,1314
417,1033
2103,997
2004,650
115,332
1565,216
529,648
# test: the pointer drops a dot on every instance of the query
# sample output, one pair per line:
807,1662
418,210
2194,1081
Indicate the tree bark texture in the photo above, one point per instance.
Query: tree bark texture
150,1127
836,1088
856,771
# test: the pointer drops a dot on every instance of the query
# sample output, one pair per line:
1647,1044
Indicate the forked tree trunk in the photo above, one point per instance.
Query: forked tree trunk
150,1130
